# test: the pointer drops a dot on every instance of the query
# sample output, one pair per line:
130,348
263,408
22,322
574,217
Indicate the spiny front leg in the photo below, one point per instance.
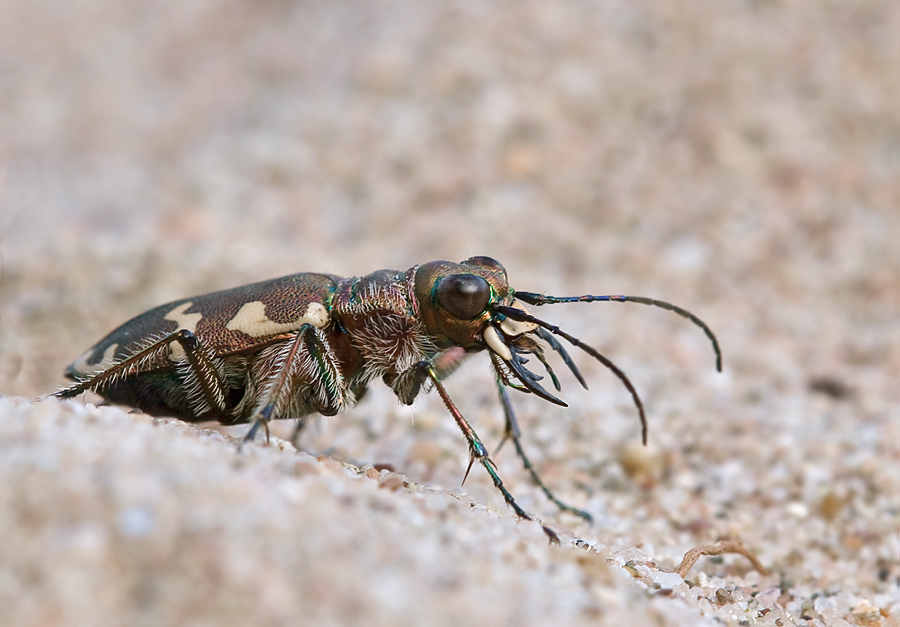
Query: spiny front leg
512,432
477,450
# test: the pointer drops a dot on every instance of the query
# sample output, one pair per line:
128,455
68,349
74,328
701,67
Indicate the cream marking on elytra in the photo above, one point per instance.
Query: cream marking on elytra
492,339
184,321
251,319
81,365
515,328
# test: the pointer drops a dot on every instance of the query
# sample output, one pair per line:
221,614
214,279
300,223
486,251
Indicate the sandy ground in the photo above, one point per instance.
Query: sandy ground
741,159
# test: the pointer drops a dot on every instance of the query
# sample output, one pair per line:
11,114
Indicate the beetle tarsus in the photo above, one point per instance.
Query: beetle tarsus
512,432
476,447
552,536
251,434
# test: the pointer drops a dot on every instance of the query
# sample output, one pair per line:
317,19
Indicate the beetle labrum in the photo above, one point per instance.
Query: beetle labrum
311,343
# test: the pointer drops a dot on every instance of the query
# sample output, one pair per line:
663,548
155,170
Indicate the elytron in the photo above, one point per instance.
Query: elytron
311,343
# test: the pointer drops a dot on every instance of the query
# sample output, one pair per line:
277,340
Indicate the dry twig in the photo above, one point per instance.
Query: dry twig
720,547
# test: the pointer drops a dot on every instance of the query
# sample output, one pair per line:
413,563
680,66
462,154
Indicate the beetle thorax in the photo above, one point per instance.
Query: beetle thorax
378,313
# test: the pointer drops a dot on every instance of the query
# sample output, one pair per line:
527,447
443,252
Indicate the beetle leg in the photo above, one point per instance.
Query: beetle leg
356,392
512,432
275,395
511,429
408,384
198,368
323,374
477,450
295,436
447,362
202,379
252,433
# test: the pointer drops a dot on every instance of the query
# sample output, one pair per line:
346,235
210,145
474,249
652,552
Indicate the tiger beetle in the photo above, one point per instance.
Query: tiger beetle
311,343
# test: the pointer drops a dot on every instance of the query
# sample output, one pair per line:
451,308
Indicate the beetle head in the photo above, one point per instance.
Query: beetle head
470,305
456,300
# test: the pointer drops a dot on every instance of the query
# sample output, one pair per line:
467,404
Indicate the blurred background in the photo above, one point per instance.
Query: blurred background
744,155
739,158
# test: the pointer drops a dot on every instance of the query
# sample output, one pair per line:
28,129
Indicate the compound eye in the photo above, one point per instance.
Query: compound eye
485,262
465,296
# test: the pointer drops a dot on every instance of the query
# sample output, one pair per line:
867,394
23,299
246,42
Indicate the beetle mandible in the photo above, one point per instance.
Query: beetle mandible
311,343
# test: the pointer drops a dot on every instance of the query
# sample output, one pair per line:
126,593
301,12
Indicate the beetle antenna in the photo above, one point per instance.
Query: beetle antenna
517,314
539,299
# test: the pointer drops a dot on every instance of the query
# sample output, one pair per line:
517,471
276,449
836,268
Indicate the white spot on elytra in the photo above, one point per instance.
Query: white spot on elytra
252,320
492,339
81,365
109,357
185,321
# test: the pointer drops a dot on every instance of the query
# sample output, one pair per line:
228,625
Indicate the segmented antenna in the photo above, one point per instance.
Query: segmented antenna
517,314
539,299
